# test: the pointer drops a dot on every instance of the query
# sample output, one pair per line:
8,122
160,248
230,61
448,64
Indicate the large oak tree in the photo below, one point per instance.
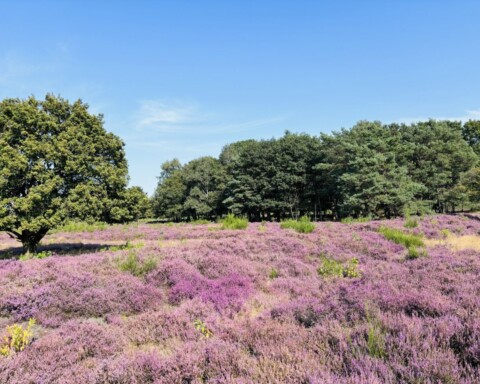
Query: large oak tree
56,162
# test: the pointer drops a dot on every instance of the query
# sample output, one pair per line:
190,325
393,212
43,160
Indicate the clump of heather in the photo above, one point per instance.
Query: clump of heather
344,303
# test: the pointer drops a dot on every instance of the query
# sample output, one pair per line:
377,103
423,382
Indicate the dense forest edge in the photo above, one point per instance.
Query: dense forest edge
372,170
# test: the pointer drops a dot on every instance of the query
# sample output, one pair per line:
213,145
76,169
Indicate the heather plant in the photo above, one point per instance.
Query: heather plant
106,326
17,338
136,266
302,225
233,222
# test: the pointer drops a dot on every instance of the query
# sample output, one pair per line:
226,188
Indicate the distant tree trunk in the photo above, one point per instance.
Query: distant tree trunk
29,240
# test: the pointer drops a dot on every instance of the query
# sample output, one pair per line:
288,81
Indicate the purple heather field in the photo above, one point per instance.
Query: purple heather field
198,304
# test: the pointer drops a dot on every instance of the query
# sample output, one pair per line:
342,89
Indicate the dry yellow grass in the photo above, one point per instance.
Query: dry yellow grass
457,243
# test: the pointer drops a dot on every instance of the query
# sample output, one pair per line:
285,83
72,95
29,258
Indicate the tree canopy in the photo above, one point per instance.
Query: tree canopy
57,162
372,169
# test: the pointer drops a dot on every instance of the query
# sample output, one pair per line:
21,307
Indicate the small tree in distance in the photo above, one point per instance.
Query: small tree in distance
56,161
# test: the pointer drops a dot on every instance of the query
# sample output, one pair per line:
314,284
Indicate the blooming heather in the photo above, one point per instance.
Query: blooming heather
398,320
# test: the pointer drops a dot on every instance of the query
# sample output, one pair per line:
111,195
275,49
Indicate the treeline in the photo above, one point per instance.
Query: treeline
370,170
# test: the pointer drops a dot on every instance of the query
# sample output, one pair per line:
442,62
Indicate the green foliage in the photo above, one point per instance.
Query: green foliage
411,222
122,247
333,268
376,345
399,237
262,226
200,222
136,266
351,220
273,274
38,255
233,222
56,162
202,327
302,225
80,226
16,339
416,252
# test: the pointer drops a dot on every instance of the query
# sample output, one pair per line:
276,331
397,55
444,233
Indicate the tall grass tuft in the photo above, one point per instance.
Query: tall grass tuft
302,225
399,237
233,222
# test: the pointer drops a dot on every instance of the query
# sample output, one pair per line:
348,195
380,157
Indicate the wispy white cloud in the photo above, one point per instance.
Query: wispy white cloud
167,117
162,116
468,115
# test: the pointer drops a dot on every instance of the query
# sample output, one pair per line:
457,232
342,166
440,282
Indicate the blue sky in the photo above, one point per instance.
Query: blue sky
183,78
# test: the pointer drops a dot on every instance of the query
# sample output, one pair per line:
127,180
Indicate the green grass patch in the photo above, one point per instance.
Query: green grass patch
233,222
302,225
39,255
411,222
408,240
200,222
273,274
351,220
334,268
80,226
136,266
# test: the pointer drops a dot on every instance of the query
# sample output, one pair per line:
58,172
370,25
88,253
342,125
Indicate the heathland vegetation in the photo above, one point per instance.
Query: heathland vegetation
197,303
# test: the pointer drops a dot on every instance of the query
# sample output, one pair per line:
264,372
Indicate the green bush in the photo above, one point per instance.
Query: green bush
137,267
333,268
302,225
17,338
416,252
233,222
273,274
399,237
39,255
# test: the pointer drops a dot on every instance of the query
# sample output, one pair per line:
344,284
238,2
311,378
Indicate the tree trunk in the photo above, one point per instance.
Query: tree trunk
30,240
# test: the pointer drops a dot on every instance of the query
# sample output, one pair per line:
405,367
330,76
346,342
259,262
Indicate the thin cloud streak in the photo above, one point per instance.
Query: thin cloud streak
163,117
469,115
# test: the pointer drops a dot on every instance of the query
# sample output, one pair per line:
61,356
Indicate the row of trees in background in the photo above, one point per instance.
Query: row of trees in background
372,169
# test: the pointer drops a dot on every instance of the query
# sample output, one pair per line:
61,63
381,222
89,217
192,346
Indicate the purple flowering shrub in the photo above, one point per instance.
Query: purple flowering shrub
209,309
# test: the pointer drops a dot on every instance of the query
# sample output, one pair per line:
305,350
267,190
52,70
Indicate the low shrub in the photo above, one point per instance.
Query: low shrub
333,268
17,338
202,328
233,222
273,274
137,267
302,225
416,252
